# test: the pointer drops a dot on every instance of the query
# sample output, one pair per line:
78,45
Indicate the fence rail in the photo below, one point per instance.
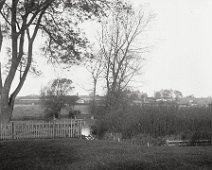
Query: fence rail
41,129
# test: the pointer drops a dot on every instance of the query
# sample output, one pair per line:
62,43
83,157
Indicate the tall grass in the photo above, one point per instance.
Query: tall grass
158,122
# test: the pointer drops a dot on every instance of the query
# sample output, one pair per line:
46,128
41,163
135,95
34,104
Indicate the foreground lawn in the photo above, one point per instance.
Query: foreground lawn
74,154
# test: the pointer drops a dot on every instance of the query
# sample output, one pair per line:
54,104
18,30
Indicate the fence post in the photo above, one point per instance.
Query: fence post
71,128
80,128
1,129
78,125
53,130
13,130
69,131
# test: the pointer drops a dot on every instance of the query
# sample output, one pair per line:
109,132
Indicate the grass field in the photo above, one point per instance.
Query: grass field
28,112
78,154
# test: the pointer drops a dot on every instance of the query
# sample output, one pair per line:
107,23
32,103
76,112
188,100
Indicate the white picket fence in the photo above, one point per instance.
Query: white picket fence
41,129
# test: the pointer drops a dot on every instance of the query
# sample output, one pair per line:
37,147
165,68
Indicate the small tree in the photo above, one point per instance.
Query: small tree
54,97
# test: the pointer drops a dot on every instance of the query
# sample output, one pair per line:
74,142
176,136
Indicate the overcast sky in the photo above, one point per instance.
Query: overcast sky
180,57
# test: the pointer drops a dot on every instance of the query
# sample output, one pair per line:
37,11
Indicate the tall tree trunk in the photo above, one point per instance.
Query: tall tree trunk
93,109
7,103
6,108
6,112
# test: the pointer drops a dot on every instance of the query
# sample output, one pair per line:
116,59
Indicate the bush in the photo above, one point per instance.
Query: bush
73,114
186,135
99,129
50,114
202,135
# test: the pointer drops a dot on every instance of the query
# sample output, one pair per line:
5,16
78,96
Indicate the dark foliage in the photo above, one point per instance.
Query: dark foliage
55,96
188,123
73,114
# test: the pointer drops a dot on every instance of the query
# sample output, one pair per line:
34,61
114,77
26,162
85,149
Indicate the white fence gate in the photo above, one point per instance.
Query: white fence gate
41,129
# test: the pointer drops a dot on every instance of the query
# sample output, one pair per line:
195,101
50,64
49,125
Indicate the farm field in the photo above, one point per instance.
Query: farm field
76,154
27,112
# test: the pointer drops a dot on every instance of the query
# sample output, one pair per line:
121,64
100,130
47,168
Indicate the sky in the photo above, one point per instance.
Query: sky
182,55
180,58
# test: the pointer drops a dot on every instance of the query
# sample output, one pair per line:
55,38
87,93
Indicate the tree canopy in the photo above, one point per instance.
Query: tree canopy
168,94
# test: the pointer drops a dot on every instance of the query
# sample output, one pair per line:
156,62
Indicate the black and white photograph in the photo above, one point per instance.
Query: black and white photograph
105,84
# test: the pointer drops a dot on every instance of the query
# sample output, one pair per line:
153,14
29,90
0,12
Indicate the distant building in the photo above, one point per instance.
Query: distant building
187,102
158,103
80,101
84,99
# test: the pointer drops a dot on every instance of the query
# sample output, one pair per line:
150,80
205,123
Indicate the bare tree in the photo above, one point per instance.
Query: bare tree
21,20
95,67
119,44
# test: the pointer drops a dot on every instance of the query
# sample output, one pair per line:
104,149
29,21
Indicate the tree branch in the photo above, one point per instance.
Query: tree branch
1,38
0,78
42,8
5,18
29,58
2,2
25,72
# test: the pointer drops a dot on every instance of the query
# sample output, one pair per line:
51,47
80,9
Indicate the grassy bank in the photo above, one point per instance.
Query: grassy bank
62,154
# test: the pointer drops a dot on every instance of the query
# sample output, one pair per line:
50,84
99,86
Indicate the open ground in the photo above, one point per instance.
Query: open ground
74,154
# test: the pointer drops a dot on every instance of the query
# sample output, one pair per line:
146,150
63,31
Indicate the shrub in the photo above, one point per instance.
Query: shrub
73,114
202,135
99,129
